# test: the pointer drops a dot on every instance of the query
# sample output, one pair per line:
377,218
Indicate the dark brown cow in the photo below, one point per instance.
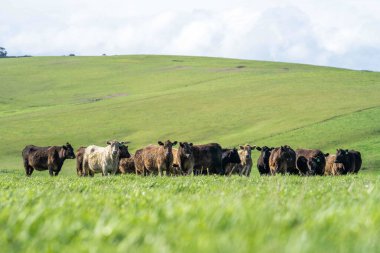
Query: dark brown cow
208,159
46,158
156,159
124,153
282,160
351,160
263,160
138,160
183,158
310,162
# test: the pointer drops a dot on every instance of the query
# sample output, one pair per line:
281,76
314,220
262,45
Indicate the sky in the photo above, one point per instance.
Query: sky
338,33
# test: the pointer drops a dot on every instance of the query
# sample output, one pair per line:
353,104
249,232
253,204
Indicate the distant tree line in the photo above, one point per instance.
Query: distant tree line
3,52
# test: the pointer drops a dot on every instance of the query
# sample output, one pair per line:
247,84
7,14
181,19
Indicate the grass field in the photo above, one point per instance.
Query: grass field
142,99
202,214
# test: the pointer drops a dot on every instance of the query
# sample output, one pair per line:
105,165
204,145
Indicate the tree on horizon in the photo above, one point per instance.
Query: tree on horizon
3,52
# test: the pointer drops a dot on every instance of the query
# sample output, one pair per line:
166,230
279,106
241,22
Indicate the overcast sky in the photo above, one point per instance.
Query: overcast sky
341,33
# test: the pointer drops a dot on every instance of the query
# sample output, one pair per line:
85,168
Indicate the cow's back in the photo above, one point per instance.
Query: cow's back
36,157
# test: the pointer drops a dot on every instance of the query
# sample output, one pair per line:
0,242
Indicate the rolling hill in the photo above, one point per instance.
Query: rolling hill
143,99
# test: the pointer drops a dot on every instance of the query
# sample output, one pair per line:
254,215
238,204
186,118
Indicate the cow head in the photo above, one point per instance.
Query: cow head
69,151
265,151
341,156
186,149
115,147
167,146
246,150
313,163
124,153
231,156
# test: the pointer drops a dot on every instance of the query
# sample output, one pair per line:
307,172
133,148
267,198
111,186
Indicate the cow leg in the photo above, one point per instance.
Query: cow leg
51,172
30,171
26,166
160,171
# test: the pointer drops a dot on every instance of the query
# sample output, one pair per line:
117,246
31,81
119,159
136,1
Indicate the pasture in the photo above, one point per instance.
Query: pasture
189,214
143,99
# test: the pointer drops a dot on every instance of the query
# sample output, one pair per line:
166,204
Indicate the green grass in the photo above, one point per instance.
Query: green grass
201,214
142,99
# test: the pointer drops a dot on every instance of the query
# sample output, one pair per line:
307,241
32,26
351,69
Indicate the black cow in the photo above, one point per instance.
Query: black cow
263,160
208,156
351,160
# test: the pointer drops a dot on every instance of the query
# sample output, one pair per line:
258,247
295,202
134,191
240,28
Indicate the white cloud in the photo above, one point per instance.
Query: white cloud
335,33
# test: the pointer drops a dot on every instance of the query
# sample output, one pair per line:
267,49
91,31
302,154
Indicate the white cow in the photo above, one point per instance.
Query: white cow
102,159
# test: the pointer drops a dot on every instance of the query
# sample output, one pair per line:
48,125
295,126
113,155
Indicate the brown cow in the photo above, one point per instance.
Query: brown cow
310,162
127,165
175,169
138,163
332,168
185,158
124,153
208,159
156,159
79,154
351,160
46,158
282,160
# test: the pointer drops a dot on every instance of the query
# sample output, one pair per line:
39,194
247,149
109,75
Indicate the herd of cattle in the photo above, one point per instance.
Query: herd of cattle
190,159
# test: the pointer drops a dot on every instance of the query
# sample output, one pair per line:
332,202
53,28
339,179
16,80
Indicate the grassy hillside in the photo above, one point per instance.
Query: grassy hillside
88,100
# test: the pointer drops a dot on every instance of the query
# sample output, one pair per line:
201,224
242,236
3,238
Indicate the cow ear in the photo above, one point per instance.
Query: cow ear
258,148
241,147
181,144
67,144
253,147
327,154
160,143
108,143
174,143
191,144
64,147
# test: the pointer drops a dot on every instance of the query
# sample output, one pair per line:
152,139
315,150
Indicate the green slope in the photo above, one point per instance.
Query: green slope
88,100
